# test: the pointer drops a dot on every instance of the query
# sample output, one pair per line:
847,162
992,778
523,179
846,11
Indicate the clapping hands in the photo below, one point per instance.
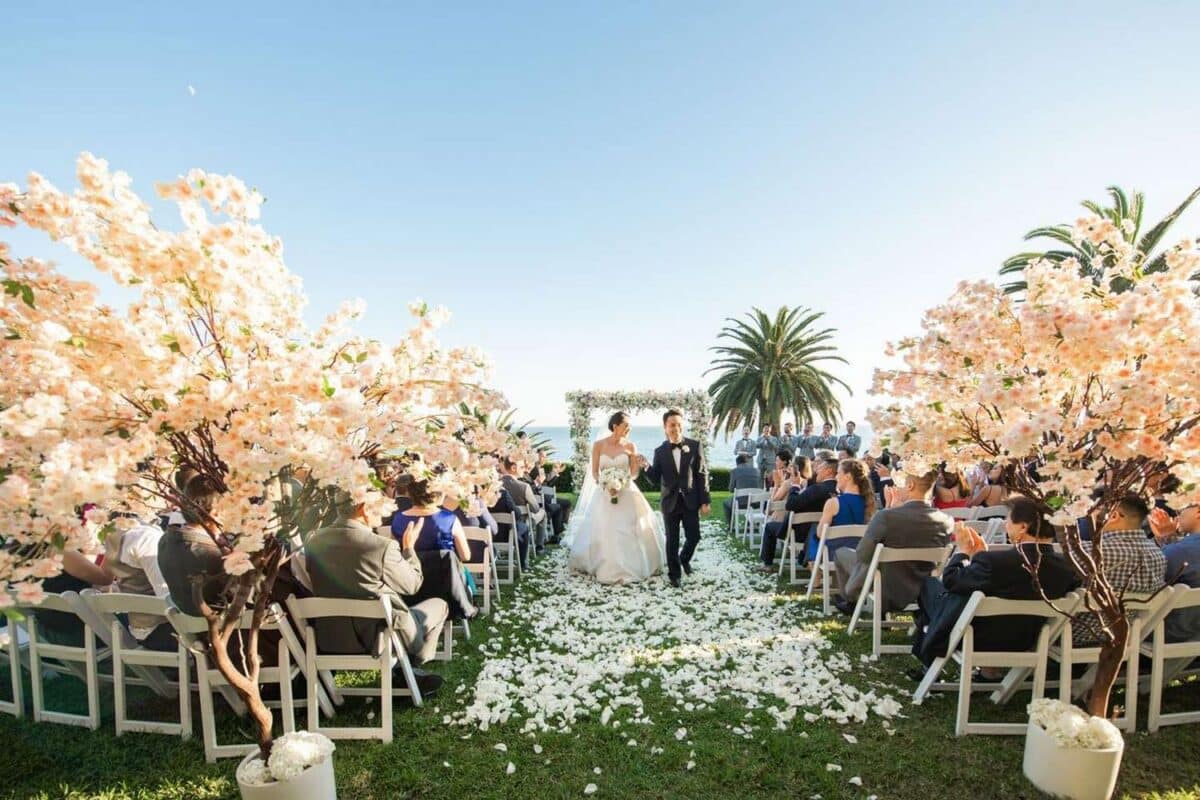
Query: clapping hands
409,539
1162,524
968,540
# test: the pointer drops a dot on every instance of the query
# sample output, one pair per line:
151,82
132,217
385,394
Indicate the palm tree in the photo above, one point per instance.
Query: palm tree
770,365
1090,261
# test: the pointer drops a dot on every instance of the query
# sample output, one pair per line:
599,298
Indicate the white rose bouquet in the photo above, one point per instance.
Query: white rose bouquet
614,479
1073,727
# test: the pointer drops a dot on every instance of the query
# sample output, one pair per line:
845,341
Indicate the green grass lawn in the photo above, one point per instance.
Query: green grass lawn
922,760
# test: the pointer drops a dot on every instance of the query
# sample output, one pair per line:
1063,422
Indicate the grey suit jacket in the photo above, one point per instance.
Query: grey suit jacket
744,477
523,495
914,524
349,560
186,553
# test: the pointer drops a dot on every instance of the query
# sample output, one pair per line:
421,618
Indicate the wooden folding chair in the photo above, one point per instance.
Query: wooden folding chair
511,549
1169,660
793,546
82,661
484,570
14,640
873,590
823,570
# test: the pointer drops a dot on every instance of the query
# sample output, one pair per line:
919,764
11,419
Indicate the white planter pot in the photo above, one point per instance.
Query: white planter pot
315,783
1070,772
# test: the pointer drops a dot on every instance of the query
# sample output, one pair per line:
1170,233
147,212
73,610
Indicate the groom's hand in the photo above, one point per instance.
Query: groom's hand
704,509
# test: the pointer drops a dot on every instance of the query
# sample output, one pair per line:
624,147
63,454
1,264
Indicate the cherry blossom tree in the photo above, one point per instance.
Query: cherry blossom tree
210,368
1078,379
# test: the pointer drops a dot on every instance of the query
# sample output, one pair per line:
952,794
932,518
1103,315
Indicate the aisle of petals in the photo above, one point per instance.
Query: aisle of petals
572,650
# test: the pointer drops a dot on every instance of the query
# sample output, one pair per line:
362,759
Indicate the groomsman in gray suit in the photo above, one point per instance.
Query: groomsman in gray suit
908,521
789,440
768,446
850,441
806,442
826,441
745,445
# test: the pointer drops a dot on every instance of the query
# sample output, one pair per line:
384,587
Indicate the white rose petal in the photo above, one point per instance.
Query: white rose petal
857,781
510,769
589,789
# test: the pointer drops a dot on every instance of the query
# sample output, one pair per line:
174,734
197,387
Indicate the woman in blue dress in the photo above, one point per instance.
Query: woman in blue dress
440,533
854,504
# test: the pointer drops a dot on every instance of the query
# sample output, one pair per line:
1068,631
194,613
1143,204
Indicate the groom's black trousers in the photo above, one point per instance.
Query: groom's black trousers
689,520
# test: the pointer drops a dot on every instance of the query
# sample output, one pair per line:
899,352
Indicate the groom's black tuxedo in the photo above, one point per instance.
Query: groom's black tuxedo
684,490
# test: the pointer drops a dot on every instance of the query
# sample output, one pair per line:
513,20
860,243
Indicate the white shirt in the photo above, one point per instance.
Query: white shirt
677,452
139,549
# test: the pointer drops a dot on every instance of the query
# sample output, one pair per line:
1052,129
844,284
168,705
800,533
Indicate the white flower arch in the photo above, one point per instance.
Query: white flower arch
694,403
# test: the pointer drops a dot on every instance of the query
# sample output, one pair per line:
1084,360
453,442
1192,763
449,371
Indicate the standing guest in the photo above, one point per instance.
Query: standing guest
767,446
745,445
789,440
910,520
854,504
1132,562
951,490
743,476
826,441
1004,574
348,560
850,441
811,499
1180,537
806,442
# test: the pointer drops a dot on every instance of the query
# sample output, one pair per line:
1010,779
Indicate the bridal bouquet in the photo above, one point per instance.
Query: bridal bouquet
1072,727
614,479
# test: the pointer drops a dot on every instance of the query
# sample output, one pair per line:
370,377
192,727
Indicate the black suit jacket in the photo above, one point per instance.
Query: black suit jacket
999,573
683,488
808,500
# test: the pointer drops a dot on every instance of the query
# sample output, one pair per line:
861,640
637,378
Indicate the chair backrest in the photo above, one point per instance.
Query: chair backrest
775,506
475,534
310,608
802,517
504,517
125,603
959,513
988,512
744,492
758,498
1185,597
935,555
54,602
844,531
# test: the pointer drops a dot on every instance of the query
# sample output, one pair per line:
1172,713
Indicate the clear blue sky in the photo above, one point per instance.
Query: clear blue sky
593,189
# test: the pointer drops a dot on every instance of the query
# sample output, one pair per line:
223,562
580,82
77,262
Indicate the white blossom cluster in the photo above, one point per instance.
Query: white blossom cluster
583,651
291,754
1072,727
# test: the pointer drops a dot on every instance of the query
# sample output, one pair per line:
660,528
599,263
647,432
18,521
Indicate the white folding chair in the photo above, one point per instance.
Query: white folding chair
484,571
962,514
990,530
14,639
193,633
524,515
81,661
127,652
1144,612
793,546
823,567
389,651
979,606
738,513
1169,659
990,512
511,549
756,515
873,590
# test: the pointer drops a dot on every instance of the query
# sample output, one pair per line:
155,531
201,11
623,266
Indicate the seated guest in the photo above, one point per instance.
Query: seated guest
1002,573
558,507
781,475
504,505
348,560
438,532
743,476
993,492
131,558
1132,562
189,551
1181,539
811,499
78,573
951,490
524,498
909,521
854,504
802,471
474,514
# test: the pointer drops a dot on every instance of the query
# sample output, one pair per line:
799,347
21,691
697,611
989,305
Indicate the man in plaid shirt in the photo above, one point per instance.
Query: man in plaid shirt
1132,561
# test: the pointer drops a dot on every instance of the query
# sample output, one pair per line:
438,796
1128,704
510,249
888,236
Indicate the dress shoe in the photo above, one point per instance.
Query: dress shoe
427,682
687,567
675,582
843,605
766,569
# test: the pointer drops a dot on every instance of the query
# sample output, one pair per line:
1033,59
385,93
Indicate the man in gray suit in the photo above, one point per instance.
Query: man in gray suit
826,441
743,476
349,560
768,446
850,442
806,442
908,521
523,496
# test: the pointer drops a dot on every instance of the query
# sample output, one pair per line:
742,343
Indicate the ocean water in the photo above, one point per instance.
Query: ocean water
646,438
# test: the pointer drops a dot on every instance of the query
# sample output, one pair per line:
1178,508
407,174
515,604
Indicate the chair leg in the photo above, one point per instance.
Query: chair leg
1157,679
931,675
118,673
208,726
185,696
385,693
287,707
964,691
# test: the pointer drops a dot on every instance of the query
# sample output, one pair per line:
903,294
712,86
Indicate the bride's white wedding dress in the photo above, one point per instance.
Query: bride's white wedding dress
618,542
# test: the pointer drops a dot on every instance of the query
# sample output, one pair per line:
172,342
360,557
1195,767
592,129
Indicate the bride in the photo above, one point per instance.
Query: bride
616,536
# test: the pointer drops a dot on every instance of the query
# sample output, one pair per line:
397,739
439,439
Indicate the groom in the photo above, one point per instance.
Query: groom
679,469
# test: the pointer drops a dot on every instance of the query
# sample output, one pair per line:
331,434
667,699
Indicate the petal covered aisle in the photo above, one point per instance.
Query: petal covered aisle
573,651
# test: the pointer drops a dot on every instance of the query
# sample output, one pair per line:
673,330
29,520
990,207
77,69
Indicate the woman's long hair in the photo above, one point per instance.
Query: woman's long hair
857,471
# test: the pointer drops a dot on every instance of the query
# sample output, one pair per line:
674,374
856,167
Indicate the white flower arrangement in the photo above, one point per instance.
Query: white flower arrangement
614,480
291,754
1072,727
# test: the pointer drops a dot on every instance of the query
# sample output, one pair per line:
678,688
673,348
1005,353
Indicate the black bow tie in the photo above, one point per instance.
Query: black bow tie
677,446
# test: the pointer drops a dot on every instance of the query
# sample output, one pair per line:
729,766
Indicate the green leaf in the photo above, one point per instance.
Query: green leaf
171,341
349,359
15,288
968,362
1056,501
75,340
326,387
937,406
361,357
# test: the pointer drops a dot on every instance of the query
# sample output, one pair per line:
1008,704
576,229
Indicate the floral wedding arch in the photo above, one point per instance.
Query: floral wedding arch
695,405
